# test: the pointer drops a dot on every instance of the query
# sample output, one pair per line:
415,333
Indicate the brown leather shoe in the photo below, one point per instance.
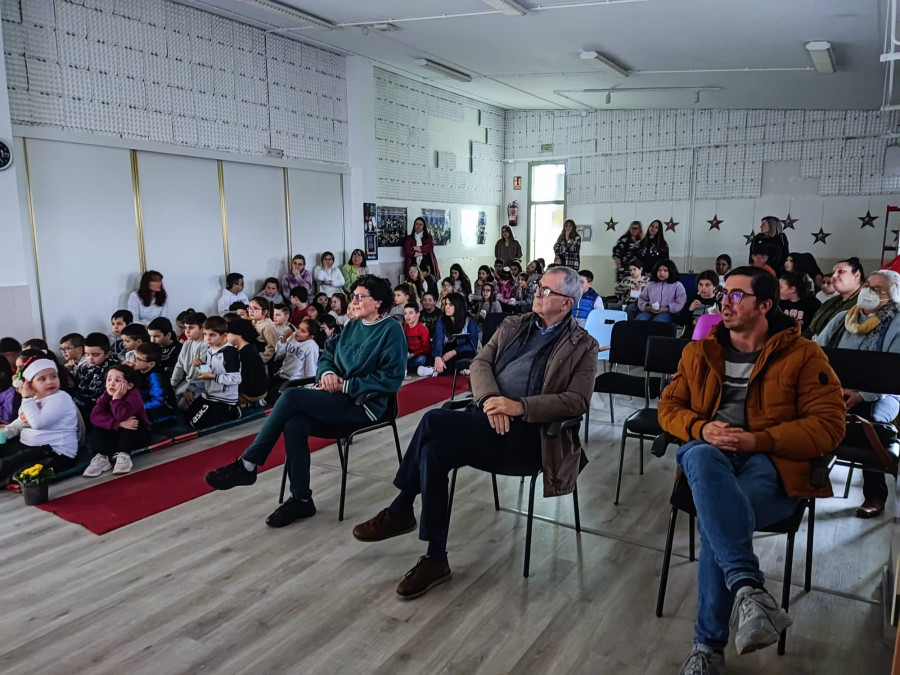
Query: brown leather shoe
870,508
427,574
382,527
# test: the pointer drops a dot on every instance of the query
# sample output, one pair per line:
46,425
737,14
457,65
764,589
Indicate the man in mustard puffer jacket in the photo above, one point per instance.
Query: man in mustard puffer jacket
754,402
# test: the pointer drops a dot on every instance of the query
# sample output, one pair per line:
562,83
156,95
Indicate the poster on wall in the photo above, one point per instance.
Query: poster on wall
391,224
482,225
370,232
586,232
438,224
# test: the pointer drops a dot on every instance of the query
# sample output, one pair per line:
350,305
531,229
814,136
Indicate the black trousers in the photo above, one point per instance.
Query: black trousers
450,439
15,456
110,441
204,413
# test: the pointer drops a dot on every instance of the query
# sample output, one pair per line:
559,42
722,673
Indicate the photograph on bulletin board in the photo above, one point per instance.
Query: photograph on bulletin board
482,226
438,224
391,223
370,232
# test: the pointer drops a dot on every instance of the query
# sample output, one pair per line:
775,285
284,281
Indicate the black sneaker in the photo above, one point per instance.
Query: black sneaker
230,475
293,509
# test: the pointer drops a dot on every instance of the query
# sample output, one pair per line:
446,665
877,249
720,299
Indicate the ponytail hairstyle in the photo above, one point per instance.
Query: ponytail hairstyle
315,331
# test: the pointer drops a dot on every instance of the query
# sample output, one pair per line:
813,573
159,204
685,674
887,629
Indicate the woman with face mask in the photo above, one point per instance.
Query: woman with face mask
871,325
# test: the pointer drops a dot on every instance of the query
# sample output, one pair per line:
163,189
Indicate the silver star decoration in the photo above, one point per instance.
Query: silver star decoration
714,223
789,222
670,224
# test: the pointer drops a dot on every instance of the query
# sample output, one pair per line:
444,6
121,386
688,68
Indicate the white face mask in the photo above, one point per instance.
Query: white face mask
868,300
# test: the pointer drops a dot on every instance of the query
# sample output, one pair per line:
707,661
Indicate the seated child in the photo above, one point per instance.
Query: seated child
430,312
119,320
38,346
161,333
270,291
401,299
261,316
10,348
184,377
299,304
313,313
330,326
524,292
240,308
487,303
590,300
133,334
90,376
300,359
254,377
418,339
10,400
339,308
705,300
761,259
155,386
232,293
179,323
72,348
46,430
281,315
506,289
628,290
221,375
323,302
120,424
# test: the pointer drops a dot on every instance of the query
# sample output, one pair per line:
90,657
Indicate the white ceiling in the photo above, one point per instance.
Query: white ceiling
532,61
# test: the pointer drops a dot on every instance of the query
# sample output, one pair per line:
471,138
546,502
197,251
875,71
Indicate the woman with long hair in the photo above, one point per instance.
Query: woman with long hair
627,247
507,248
150,300
418,248
461,282
568,246
416,282
653,246
354,269
455,337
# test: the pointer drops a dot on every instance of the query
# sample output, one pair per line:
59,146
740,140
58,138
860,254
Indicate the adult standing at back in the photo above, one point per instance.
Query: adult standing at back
653,246
847,278
627,248
772,241
507,247
354,269
298,276
328,276
150,300
568,246
418,249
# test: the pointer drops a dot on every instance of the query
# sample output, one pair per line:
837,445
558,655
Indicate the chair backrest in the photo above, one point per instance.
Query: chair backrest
628,343
492,322
392,411
664,354
705,324
875,372
599,325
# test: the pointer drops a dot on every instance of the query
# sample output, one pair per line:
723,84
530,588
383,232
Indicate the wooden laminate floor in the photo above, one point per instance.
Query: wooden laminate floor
207,587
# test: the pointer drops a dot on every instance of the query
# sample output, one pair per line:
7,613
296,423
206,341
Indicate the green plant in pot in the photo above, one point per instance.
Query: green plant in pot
35,483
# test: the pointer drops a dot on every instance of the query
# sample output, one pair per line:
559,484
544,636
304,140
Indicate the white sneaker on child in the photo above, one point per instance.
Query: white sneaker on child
123,463
424,371
98,465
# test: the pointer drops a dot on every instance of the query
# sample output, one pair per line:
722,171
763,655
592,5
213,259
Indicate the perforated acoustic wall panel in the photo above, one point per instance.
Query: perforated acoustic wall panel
646,155
160,71
435,146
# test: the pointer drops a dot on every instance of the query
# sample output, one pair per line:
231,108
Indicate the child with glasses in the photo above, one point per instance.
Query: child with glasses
155,386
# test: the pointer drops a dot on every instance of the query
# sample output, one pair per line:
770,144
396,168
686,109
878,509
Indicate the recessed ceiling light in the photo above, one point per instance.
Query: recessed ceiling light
604,63
508,7
444,70
293,13
822,56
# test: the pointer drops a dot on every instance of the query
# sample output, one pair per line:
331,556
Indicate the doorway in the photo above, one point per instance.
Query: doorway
547,202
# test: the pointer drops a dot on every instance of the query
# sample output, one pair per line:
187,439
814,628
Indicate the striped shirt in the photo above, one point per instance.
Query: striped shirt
732,407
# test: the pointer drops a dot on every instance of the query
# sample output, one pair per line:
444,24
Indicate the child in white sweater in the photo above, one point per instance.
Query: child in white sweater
185,376
46,431
301,357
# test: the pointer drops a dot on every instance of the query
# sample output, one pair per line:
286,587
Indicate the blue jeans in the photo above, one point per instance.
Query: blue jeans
665,317
413,363
733,496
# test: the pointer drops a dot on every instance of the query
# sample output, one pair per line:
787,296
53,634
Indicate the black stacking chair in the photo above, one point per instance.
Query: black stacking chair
555,430
490,325
874,372
461,364
663,356
628,347
344,435
683,500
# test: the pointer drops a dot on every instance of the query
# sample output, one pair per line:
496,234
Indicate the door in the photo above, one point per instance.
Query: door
547,200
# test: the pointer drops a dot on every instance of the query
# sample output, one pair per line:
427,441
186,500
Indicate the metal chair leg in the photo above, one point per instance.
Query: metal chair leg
693,524
496,494
612,409
667,558
577,514
641,455
452,490
397,442
847,484
810,529
345,460
587,423
453,386
786,586
529,526
284,476
621,462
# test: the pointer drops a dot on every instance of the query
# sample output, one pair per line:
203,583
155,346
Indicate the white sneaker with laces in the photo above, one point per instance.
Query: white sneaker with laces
98,465
123,463
703,661
425,371
760,619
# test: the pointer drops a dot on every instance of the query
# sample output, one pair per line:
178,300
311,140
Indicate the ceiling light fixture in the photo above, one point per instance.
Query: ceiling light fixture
299,15
696,97
385,27
443,70
822,56
608,98
604,63
508,7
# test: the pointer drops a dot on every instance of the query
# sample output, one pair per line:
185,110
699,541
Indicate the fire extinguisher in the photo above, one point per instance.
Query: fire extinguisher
512,211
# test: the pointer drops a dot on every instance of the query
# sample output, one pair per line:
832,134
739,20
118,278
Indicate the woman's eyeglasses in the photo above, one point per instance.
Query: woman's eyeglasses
359,297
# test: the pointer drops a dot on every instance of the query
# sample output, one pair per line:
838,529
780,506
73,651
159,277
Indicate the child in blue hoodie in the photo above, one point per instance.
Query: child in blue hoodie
155,387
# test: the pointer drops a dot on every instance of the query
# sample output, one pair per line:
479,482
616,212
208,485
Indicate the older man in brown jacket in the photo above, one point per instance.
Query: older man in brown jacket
537,369
755,402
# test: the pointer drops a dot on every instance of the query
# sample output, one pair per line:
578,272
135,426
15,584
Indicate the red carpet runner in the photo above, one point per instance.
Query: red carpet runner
116,503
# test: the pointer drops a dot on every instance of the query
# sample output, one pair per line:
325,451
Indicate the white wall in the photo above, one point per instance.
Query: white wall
317,220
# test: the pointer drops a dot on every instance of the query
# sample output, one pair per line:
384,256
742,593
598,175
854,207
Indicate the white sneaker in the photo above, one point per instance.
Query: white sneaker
98,465
425,371
123,463
703,661
760,619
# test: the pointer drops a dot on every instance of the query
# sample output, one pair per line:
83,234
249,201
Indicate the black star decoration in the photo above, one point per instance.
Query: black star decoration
896,234
749,237
714,223
789,222
868,220
820,236
611,224
670,224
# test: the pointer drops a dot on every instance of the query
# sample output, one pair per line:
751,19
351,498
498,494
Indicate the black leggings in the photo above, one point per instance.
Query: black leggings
15,456
204,413
110,441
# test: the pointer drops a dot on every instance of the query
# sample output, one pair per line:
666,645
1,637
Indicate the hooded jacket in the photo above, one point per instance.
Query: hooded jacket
775,245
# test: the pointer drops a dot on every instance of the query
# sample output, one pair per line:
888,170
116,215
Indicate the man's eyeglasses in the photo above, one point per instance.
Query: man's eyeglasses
734,296
66,349
358,297
545,292
138,359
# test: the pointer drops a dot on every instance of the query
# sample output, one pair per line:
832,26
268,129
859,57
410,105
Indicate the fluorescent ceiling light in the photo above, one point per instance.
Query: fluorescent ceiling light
822,56
604,63
444,70
293,13
508,7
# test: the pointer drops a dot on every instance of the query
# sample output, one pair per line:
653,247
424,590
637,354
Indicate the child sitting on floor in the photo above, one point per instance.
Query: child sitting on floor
240,308
179,323
221,375
300,359
184,377
339,309
90,376
254,378
161,333
155,387
46,430
260,313
72,348
281,315
118,321
120,423
9,399
133,335
418,339
232,293
299,305
270,291
401,299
